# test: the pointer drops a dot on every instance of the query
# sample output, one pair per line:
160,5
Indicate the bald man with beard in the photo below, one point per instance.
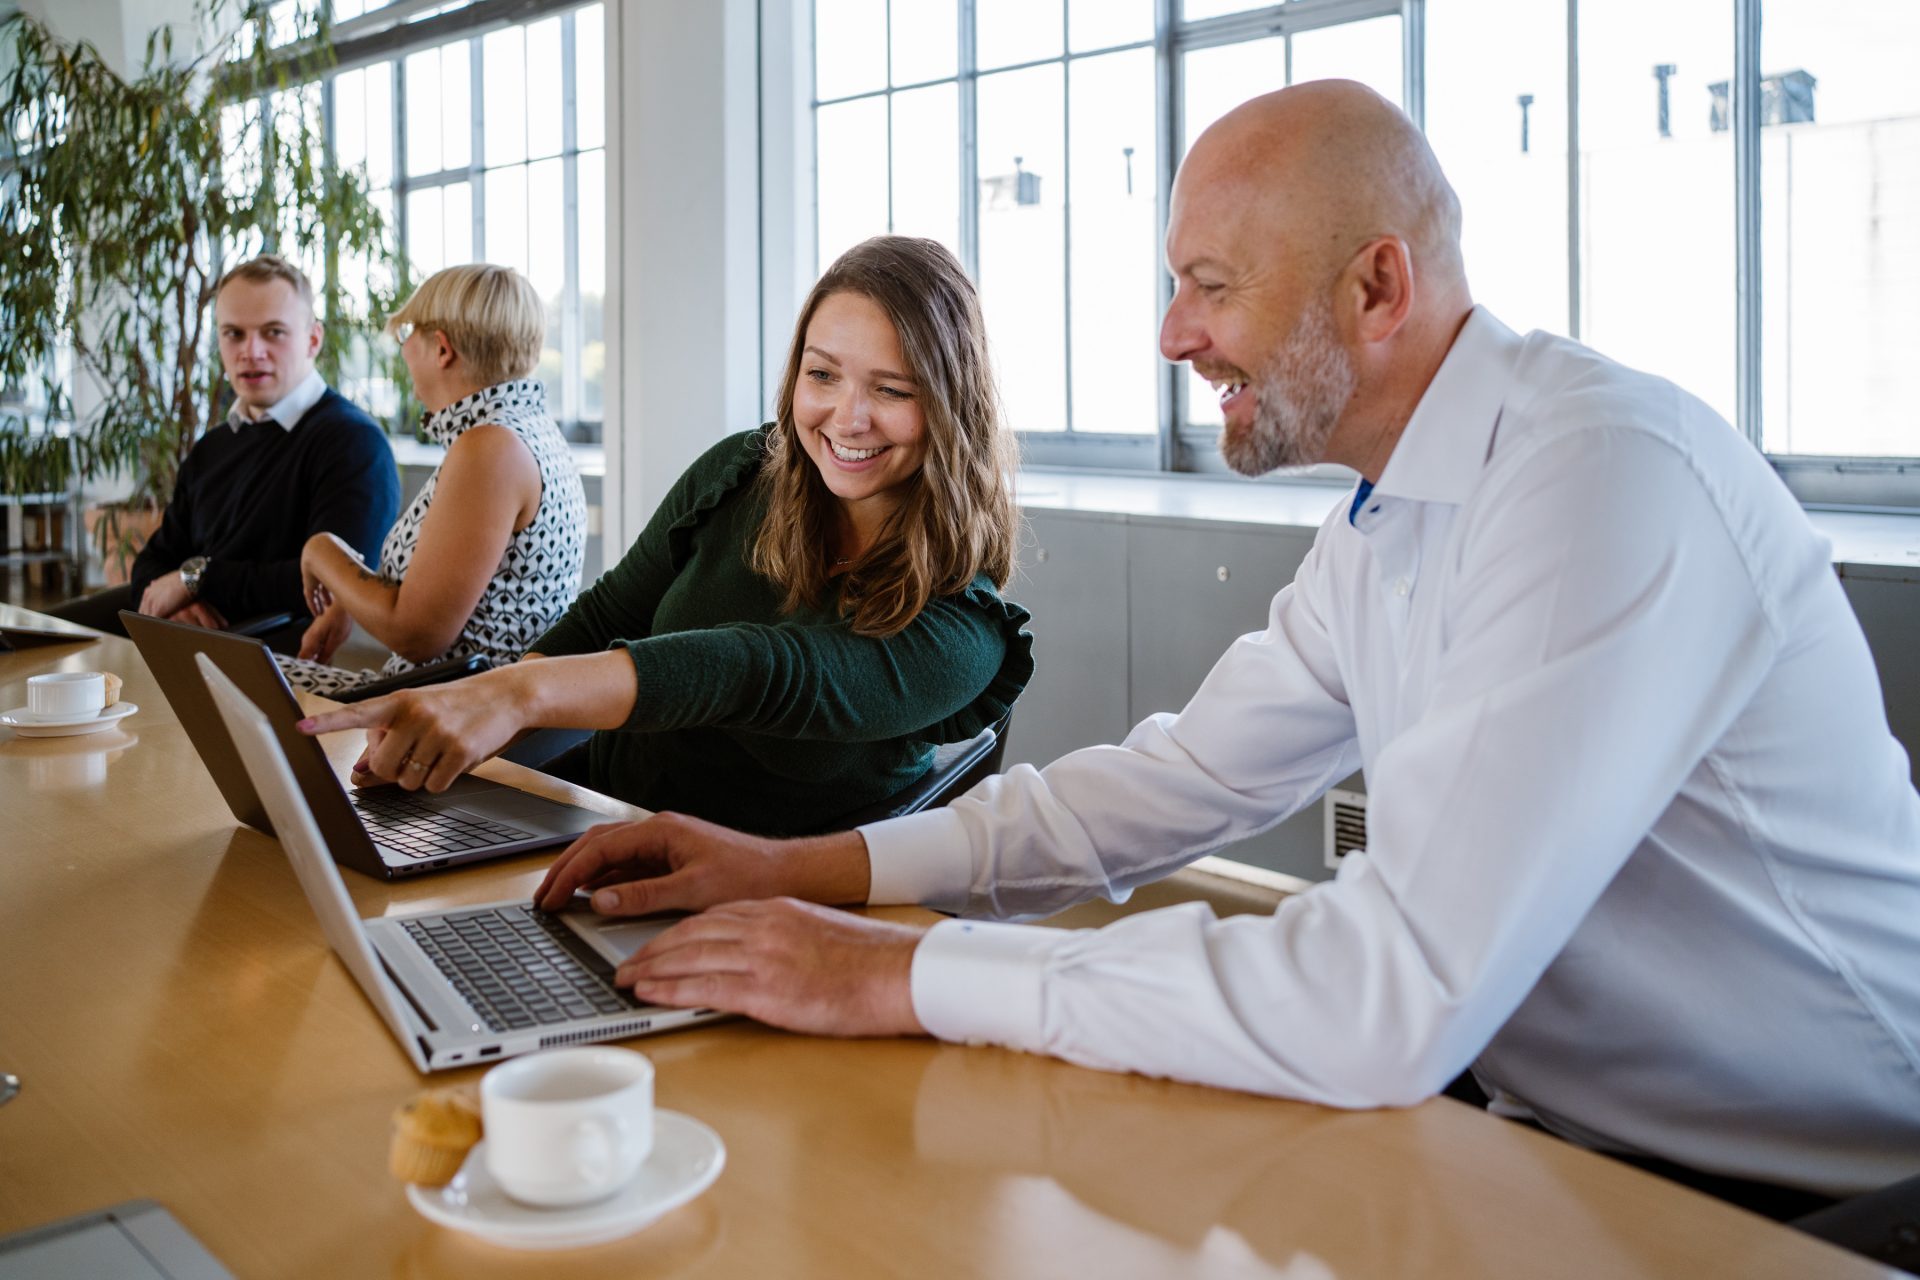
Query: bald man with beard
1642,851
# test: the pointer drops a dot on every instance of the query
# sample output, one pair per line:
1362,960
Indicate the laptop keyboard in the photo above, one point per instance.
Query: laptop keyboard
519,967
402,822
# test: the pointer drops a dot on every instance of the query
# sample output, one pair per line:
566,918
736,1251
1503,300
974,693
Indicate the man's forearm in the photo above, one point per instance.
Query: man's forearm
832,869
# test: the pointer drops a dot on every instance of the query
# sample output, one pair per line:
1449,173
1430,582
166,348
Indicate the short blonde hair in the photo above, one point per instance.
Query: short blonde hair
269,267
491,315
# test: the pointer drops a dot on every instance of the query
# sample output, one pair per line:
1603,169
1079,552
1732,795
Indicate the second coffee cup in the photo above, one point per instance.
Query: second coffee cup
568,1126
65,695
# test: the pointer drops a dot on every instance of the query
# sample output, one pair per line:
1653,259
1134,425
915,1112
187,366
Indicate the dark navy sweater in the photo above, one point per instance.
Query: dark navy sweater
248,500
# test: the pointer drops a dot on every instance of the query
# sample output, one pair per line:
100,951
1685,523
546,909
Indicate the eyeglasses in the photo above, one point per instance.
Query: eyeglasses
403,331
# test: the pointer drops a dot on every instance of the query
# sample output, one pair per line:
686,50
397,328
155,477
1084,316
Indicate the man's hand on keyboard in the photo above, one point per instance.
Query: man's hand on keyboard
671,862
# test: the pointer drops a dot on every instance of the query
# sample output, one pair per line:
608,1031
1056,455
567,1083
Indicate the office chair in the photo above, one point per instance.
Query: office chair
956,767
1883,1225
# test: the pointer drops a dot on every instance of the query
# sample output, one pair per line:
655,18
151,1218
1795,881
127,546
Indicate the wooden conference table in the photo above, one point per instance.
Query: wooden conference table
183,1034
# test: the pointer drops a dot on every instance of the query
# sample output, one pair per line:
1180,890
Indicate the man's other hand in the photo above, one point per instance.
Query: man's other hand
199,613
165,596
789,964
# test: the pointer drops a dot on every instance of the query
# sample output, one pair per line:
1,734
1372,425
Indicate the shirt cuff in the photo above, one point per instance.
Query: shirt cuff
923,858
976,982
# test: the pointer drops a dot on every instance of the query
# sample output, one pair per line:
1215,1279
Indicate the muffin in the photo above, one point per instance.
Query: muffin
432,1135
113,687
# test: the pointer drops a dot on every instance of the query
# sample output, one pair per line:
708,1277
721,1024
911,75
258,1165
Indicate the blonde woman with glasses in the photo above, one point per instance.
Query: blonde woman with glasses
488,555
813,608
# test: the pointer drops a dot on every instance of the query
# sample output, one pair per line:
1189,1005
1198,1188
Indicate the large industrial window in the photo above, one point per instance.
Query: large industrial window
485,140
1727,195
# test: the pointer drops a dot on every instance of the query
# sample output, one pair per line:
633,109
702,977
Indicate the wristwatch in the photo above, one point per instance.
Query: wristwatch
190,574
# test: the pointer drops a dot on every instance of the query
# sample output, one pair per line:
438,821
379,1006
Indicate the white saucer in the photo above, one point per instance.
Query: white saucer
687,1156
19,721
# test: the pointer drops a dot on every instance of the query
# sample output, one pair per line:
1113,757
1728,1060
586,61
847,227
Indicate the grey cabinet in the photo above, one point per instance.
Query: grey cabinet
1073,578
1887,601
1193,590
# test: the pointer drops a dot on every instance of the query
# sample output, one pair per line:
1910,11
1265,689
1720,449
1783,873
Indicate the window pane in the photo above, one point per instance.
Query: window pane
1840,227
423,112
547,263
1217,80
1194,10
926,163
1657,280
851,165
507,217
1008,32
506,72
593,284
926,40
1115,250
544,89
350,119
426,241
1100,24
1514,234
457,219
849,47
379,84
1023,242
1366,51
240,126
590,75
456,105
546,221
283,26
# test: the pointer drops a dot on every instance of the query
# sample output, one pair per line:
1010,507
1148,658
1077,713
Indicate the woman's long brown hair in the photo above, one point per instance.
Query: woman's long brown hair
956,519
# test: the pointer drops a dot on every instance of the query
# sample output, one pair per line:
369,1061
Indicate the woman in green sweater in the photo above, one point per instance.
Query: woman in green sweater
813,608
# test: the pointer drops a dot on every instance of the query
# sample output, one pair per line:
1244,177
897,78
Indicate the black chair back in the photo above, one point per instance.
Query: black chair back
957,766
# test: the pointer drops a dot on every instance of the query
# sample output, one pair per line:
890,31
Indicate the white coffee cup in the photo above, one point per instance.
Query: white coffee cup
66,695
568,1126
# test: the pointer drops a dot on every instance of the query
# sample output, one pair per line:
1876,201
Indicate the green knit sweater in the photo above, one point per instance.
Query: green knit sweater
766,721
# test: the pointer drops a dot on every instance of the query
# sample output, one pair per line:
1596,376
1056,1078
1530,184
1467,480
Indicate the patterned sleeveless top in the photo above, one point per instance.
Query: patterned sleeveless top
539,575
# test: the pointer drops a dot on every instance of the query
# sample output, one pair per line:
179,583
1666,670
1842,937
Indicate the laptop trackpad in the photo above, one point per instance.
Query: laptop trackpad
521,809
615,939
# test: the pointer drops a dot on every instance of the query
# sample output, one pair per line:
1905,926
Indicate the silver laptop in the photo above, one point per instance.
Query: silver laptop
456,987
385,832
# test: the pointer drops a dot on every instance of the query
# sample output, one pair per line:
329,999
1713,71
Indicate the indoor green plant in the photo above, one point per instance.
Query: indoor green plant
123,198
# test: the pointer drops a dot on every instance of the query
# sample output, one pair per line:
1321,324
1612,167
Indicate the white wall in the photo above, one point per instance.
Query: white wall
117,28
683,252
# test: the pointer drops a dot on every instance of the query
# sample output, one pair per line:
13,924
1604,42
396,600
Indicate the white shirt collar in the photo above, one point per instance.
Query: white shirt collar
290,408
1440,455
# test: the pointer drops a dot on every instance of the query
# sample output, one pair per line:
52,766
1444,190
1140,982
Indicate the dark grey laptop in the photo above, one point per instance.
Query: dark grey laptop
380,831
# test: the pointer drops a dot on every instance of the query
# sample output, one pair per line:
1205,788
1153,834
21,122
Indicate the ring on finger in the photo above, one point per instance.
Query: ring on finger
411,763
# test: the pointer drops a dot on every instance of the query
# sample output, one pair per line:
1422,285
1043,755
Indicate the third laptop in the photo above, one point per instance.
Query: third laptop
383,831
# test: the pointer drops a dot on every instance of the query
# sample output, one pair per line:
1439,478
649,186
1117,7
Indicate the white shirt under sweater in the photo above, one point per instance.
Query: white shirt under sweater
1642,849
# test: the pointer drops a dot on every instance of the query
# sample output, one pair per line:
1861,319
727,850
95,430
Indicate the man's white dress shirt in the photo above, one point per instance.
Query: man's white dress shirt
289,409
1642,850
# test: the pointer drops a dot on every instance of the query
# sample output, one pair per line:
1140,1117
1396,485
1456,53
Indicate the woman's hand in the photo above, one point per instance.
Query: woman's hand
325,553
330,629
428,737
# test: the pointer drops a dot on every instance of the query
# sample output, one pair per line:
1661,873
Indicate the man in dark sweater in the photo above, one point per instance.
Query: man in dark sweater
294,458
